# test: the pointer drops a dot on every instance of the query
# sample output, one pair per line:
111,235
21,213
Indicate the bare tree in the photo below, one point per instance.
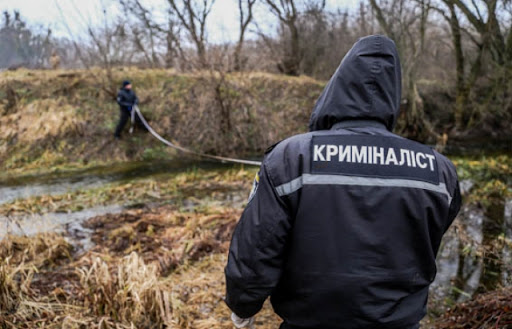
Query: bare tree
107,45
245,17
193,15
363,21
155,40
287,11
406,22
173,47
144,37
111,46
485,32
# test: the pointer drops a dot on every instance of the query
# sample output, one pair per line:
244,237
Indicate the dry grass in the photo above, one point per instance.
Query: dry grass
22,259
63,117
40,120
142,273
128,293
9,298
39,251
165,235
127,280
490,310
198,292
155,267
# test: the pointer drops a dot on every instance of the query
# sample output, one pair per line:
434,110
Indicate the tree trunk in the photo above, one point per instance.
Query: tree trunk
290,65
239,65
461,89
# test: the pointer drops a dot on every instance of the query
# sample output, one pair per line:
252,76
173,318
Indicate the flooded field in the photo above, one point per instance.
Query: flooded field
175,220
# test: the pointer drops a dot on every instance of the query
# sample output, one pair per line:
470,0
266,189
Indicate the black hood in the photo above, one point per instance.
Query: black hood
366,86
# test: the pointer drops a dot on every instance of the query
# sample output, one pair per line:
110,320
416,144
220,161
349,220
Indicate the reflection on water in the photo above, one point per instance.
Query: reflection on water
492,228
507,250
11,193
464,266
13,188
453,253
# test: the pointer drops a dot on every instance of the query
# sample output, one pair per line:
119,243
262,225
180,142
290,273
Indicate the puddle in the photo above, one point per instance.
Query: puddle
56,222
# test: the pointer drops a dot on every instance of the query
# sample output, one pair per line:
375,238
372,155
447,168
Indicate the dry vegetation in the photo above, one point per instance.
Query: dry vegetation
151,267
491,310
63,118
161,265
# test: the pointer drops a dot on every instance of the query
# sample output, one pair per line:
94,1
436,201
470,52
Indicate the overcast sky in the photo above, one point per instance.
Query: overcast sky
222,24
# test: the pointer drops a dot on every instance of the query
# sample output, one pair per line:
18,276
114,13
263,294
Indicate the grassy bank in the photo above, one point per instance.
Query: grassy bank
65,119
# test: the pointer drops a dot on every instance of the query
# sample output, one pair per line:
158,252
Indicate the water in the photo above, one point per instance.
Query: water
462,271
23,187
449,258
15,188
12,193
507,252
56,222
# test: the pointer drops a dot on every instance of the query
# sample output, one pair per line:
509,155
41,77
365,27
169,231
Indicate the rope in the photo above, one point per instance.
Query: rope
185,150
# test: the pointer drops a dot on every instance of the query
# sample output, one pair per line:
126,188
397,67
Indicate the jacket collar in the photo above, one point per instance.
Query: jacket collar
358,124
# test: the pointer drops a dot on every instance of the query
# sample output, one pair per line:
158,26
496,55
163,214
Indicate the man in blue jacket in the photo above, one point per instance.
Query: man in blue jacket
344,222
127,99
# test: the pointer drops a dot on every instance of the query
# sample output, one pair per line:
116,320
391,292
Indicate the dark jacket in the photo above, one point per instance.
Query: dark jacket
344,224
126,98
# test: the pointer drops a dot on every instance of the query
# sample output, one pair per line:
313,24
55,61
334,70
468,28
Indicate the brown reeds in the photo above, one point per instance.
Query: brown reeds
129,292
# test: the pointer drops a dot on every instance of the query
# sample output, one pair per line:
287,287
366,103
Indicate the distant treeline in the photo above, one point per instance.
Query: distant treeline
456,55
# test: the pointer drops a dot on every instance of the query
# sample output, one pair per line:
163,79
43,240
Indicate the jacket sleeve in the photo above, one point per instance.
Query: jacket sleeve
256,253
119,98
452,182
454,206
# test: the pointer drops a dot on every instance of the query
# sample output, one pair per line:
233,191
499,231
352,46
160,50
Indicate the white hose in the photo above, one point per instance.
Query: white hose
132,121
185,150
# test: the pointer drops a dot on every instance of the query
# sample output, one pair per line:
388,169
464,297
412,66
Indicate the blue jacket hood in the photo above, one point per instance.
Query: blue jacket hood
366,86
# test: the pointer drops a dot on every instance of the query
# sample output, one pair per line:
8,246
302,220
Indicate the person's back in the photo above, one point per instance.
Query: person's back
345,224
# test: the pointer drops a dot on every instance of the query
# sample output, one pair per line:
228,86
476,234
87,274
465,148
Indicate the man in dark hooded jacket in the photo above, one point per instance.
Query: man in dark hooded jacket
127,99
344,223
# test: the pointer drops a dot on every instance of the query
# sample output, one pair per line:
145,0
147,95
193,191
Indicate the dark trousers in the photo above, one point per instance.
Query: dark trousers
123,119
